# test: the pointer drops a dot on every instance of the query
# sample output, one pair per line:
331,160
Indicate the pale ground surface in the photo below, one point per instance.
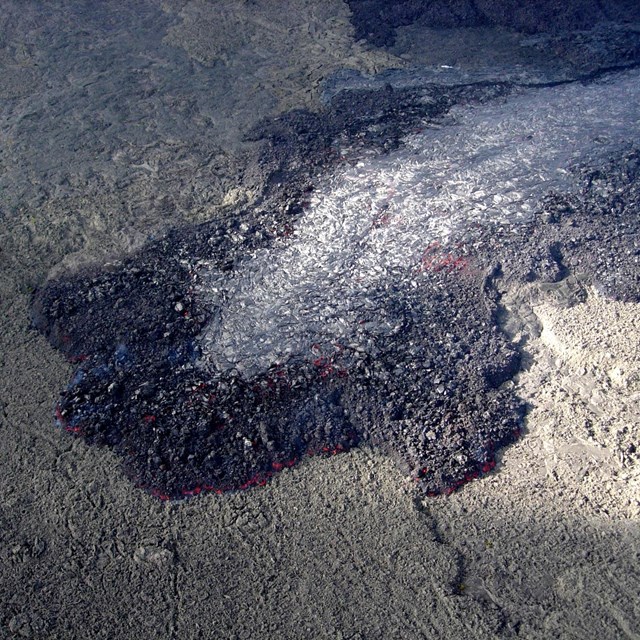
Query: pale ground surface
339,545
548,546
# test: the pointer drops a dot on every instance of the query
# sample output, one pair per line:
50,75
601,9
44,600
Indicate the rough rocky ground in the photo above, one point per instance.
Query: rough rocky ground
548,546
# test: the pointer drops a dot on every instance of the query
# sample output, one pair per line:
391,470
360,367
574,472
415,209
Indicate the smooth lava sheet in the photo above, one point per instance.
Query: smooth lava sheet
221,354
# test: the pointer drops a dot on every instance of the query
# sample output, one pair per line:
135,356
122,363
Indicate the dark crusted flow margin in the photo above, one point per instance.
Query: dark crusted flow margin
431,392
377,20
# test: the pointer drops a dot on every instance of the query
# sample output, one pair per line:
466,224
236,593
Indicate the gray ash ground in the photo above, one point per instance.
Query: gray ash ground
359,299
